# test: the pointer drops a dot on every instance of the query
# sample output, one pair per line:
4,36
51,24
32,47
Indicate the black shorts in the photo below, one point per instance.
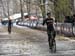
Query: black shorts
49,33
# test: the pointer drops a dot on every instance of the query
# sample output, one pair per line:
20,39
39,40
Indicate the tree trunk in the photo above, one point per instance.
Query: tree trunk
21,10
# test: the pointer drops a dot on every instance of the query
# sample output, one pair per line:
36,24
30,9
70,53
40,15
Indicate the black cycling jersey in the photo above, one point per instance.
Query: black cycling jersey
49,22
9,22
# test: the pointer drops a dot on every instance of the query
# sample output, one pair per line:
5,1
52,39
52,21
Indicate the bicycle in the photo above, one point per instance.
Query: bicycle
52,43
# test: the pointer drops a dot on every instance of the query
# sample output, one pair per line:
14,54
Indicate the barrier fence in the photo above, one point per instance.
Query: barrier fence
65,28
62,28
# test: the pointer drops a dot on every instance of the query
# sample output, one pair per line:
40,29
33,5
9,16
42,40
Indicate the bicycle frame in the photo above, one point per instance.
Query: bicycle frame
52,43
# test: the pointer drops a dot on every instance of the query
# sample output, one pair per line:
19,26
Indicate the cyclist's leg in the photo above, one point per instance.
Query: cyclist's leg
54,34
49,39
54,42
9,29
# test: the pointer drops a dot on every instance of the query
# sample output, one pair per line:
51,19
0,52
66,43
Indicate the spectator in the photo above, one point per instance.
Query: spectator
9,25
68,19
73,19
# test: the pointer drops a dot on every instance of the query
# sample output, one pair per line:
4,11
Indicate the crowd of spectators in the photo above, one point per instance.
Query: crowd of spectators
70,19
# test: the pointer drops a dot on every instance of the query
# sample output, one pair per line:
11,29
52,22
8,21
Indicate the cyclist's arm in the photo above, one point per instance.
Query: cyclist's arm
54,23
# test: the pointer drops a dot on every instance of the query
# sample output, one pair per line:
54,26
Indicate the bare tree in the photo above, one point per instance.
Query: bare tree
3,8
21,6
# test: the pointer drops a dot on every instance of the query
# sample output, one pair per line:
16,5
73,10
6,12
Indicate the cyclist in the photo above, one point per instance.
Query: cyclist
50,27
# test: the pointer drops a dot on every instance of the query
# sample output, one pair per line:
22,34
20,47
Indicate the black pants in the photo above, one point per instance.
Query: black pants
9,29
49,36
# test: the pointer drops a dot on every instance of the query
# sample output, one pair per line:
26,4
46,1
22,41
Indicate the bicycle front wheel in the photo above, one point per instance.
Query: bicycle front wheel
53,47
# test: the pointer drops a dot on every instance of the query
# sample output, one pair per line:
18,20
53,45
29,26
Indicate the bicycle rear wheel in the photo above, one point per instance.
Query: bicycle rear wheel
52,42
